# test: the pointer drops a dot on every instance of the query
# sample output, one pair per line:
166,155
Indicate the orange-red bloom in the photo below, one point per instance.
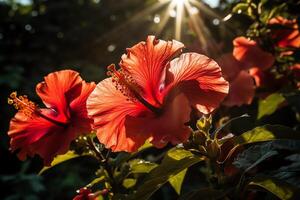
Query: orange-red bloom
287,35
151,96
251,55
241,84
49,131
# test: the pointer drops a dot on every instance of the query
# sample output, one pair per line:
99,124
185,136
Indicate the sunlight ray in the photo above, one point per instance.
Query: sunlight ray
165,18
137,17
179,18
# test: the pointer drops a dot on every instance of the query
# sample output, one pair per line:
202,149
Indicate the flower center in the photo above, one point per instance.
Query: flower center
128,87
24,105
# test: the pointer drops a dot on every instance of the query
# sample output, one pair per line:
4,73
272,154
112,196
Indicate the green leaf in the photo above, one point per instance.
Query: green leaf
269,105
266,133
129,182
260,134
254,155
145,146
138,166
177,180
280,189
174,162
60,159
96,181
289,172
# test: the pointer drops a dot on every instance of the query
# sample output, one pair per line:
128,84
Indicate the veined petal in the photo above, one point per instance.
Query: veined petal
146,62
53,90
49,132
241,90
27,132
169,126
109,107
248,51
200,79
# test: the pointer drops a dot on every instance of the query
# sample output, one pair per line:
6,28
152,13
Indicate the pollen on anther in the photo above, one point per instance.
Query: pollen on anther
124,82
22,103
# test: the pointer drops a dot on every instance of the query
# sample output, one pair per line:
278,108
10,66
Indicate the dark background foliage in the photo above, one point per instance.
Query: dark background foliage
40,36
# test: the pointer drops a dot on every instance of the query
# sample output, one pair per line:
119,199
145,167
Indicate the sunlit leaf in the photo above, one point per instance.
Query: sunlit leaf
145,146
260,134
129,182
280,189
177,180
269,105
141,166
174,162
266,133
60,159
96,181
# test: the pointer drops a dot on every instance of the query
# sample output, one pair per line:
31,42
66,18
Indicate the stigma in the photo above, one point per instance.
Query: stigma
30,109
128,87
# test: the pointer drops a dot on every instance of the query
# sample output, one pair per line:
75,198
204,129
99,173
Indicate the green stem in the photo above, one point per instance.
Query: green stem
104,162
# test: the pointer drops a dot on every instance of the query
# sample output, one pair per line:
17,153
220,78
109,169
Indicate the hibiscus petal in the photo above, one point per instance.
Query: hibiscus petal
200,78
109,107
53,90
169,126
78,108
230,66
48,132
241,90
26,132
146,63
288,35
53,147
248,51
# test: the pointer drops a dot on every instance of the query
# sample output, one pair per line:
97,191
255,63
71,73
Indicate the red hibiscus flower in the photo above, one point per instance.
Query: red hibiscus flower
250,54
151,96
49,131
285,32
241,84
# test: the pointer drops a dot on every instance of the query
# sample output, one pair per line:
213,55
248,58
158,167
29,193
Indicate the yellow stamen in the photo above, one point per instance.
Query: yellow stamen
124,82
22,103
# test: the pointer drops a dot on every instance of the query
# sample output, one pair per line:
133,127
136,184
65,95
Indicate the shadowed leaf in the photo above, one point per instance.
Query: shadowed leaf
253,156
204,194
280,189
174,162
